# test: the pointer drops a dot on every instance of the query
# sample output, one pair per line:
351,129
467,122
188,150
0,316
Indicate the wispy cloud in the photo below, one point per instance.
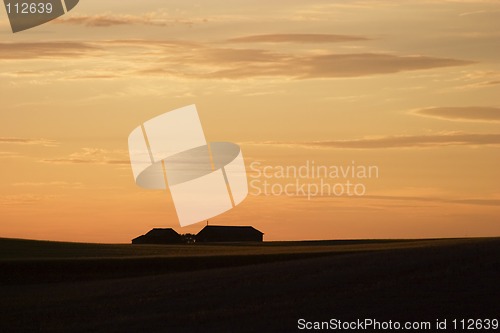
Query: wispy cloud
481,202
108,20
402,141
61,184
35,50
92,156
191,60
28,141
469,113
297,38
20,199
249,63
94,77
467,201
9,154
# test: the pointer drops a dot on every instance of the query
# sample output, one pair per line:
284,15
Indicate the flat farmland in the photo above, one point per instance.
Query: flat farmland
267,287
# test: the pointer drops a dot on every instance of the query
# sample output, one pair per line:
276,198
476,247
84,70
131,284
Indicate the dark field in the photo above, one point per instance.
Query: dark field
66,287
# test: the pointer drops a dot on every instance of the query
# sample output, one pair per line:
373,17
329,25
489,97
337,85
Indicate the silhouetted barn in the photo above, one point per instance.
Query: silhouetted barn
159,236
215,233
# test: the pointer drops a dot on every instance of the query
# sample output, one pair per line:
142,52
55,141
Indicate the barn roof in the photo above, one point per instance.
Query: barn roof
162,232
216,230
159,234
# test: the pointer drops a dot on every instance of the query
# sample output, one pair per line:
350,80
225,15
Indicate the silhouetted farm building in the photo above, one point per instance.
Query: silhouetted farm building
215,233
159,236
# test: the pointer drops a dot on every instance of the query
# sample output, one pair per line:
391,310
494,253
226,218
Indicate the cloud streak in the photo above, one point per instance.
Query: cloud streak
402,141
190,60
474,201
297,38
20,200
236,64
28,141
92,156
110,20
35,50
61,184
469,113
9,154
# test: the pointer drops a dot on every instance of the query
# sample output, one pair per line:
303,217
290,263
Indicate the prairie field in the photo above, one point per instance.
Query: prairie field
258,287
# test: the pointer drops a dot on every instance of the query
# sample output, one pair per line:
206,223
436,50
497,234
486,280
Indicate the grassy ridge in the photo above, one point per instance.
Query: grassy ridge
27,262
399,281
20,249
61,270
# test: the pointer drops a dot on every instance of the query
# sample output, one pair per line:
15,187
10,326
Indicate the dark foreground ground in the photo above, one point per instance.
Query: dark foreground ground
235,288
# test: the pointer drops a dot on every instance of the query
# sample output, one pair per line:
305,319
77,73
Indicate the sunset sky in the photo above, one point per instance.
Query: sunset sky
410,86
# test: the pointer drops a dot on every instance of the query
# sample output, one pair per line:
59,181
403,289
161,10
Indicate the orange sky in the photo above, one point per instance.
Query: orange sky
408,86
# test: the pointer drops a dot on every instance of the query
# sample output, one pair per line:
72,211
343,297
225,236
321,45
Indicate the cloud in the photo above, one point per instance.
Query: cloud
475,201
236,64
351,65
481,202
190,60
61,184
480,12
297,38
109,20
92,156
9,154
228,56
469,113
19,200
27,141
27,199
34,50
94,77
402,141
476,79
